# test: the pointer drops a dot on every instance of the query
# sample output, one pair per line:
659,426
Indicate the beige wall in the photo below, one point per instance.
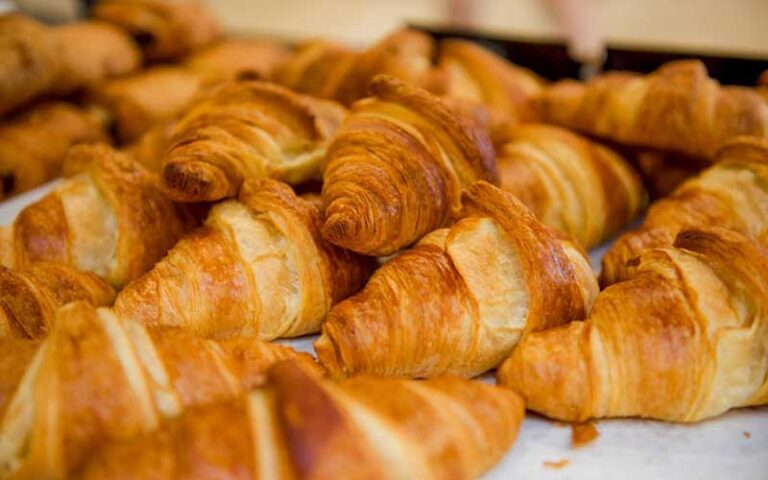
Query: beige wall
736,26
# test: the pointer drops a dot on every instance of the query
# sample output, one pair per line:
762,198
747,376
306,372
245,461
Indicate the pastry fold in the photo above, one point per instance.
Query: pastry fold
258,267
107,217
683,338
459,301
299,426
238,58
678,107
98,378
396,168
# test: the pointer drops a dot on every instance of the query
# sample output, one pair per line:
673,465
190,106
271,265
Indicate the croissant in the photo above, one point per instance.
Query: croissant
138,102
396,168
475,74
676,108
258,267
460,300
569,182
106,217
663,172
247,129
299,426
731,194
29,297
33,144
682,339
149,149
238,58
165,29
97,378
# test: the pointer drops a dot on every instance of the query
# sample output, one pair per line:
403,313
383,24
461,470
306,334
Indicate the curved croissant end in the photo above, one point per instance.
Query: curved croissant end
727,194
461,299
682,338
30,297
396,168
247,129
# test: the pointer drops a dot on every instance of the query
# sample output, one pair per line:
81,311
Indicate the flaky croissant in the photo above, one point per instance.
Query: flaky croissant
97,378
683,338
475,74
165,29
678,108
33,144
247,129
459,301
733,194
299,426
29,297
569,182
396,168
106,217
258,267
237,58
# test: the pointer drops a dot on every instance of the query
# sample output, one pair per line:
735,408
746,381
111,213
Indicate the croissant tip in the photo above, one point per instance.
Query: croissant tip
329,356
187,180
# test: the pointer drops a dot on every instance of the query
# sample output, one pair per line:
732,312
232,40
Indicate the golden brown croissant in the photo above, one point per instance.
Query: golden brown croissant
138,102
678,108
29,297
165,29
569,182
149,149
663,172
247,129
299,426
238,58
258,267
460,300
97,377
107,217
33,144
475,74
733,194
396,168
682,339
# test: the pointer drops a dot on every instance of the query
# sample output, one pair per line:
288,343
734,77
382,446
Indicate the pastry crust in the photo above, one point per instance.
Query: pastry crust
238,58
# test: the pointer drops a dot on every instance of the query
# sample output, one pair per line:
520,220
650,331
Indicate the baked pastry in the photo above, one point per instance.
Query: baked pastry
33,143
107,217
138,102
29,297
165,29
258,267
316,68
238,58
732,194
677,108
663,172
459,301
97,378
91,51
396,168
475,74
682,338
299,426
247,129
151,146
569,182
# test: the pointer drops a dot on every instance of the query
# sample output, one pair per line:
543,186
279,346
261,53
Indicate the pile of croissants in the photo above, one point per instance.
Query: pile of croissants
426,207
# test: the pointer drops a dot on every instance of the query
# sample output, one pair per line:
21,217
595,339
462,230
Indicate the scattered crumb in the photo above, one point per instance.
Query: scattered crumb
747,435
562,463
583,433
561,424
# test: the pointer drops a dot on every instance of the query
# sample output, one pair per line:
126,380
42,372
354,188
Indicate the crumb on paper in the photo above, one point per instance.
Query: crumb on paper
583,433
747,435
562,463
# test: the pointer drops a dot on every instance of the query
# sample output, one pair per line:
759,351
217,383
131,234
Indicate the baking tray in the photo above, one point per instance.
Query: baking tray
733,446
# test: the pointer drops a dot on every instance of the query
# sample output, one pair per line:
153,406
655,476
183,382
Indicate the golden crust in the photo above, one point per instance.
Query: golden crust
97,378
247,129
165,29
396,168
460,300
258,267
238,58
682,339
302,427
107,217
676,108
